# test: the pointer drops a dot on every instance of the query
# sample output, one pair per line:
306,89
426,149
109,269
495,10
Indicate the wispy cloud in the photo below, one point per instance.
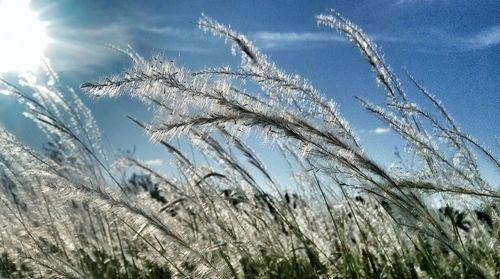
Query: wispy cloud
485,38
169,31
297,37
153,162
436,40
277,39
163,30
5,92
381,130
269,40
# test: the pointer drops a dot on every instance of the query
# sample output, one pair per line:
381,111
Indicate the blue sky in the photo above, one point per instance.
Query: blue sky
452,47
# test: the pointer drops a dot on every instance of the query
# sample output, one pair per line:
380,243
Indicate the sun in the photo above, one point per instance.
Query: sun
23,37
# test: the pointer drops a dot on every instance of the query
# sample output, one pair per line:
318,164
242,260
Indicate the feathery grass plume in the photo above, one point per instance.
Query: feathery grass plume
220,212
207,108
456,165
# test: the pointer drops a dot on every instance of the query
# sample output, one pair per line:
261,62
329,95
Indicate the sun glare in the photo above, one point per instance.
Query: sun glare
22,37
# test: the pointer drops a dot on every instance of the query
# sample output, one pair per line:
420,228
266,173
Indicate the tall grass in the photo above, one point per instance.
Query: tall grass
73,211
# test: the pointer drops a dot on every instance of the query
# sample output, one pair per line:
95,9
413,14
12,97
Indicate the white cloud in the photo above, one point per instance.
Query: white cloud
485,38
296,37
436,40
381,130
153,162
163,30
5,92
275,39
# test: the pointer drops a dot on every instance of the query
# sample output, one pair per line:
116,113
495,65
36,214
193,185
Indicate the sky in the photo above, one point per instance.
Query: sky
451,47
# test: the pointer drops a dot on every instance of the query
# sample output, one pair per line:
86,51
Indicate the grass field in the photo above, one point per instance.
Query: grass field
72,210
